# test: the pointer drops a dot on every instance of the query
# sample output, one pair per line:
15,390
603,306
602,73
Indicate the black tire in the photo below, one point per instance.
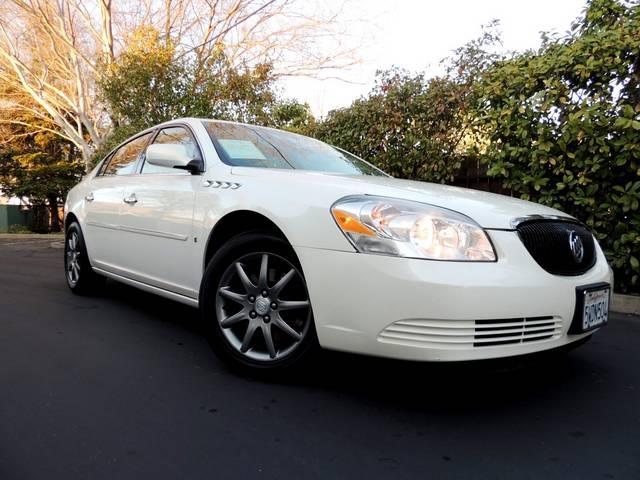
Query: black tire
80,277
246,249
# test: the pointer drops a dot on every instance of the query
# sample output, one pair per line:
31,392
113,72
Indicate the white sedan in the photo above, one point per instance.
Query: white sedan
286,244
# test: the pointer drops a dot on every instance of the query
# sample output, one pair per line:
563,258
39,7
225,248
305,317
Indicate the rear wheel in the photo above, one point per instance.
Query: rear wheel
256,305
80,276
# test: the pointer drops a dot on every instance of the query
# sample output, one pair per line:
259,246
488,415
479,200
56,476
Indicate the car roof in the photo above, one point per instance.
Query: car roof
195,120
192,120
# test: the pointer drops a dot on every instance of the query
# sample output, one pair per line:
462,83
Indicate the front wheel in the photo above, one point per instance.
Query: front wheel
256,306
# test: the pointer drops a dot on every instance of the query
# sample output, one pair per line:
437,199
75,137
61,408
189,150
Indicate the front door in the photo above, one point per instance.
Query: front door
157,222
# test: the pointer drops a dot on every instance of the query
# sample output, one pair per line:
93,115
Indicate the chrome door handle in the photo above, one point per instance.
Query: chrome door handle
89,198
131,199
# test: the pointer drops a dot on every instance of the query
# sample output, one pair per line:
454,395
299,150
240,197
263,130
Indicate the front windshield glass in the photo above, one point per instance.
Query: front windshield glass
250,146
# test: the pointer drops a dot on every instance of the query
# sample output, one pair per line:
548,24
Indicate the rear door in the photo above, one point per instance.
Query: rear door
105,200
157,223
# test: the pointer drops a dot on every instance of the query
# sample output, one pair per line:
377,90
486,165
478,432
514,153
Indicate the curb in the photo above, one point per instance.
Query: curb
626,304
31,236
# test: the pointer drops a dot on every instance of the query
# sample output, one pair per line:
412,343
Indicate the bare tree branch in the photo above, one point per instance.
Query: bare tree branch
53,51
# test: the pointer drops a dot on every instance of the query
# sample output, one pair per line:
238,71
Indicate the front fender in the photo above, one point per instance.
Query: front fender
305,223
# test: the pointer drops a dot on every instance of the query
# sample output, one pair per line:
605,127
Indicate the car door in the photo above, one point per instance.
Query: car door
104,201
157,221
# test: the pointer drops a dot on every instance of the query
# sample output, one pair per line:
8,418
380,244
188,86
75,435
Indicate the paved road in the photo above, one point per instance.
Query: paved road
123,386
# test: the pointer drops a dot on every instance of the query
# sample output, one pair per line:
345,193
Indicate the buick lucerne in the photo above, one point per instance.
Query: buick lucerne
287,244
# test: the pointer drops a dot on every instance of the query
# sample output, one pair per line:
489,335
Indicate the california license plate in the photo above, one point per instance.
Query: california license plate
592,308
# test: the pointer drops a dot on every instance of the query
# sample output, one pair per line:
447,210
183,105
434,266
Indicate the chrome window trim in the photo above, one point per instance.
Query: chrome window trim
107,159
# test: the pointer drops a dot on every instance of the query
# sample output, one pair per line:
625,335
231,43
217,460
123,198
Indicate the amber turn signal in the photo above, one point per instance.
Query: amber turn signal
348,223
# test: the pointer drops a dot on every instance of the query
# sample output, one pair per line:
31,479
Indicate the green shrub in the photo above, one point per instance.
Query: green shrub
18,228
563,128
408,126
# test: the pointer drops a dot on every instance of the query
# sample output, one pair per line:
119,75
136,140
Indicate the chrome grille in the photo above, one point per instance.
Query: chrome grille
548,243
464,334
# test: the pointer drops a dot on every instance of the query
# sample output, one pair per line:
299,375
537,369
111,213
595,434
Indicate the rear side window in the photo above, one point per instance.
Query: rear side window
173,135
123,160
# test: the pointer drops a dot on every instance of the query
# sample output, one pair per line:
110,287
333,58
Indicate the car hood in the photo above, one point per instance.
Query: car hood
490,210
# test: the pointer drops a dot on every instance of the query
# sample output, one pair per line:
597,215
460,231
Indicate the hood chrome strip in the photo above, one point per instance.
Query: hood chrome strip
528,218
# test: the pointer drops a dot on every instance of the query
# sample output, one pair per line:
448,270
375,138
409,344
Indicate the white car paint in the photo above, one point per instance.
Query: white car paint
158,244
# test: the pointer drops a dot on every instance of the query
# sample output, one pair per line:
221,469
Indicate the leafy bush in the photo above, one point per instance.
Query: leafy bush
412,126
40,167
19,228
563,128
409,126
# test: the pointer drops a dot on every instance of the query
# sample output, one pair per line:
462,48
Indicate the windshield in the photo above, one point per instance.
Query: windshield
250,146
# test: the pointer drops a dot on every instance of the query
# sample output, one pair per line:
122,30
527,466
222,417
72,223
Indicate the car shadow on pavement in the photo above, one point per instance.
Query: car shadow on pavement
150,305
487,385
453,387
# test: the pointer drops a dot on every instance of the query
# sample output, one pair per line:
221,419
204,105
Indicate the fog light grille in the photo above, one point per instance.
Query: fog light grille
465,334
515,330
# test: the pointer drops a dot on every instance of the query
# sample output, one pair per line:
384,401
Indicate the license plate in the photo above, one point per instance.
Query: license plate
592,308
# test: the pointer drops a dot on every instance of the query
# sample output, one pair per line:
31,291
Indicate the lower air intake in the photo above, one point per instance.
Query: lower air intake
465,334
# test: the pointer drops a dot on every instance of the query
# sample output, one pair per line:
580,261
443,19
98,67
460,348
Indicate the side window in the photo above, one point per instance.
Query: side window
104,165
123,160
173,135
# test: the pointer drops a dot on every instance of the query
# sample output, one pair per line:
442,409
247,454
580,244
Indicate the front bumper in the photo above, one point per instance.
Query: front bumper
430,310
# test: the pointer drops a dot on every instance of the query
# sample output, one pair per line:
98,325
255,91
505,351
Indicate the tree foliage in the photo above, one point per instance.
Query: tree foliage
293,116
412,126
151,82
563,127
38,168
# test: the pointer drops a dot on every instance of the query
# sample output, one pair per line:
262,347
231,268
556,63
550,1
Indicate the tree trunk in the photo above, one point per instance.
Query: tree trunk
39,221
53,213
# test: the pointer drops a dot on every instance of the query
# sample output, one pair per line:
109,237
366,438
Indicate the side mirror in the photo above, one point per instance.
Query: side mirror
173,155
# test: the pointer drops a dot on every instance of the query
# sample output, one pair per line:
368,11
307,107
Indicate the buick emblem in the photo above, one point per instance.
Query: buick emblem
262,306
575,244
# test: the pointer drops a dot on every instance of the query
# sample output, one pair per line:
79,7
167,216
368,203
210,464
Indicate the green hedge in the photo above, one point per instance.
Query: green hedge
563,126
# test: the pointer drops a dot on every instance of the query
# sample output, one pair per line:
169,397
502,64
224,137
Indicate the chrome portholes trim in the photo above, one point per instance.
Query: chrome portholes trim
530,218
222,185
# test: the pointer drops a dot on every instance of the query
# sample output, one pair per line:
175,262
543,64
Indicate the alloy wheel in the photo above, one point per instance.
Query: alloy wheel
73,258
263,307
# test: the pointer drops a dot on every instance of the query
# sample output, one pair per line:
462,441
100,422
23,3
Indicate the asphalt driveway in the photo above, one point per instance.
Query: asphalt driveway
122,385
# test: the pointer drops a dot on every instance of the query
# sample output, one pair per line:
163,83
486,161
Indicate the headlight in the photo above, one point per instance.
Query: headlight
410,229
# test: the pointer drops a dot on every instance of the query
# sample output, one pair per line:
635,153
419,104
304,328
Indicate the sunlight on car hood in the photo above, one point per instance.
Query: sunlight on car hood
490,210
